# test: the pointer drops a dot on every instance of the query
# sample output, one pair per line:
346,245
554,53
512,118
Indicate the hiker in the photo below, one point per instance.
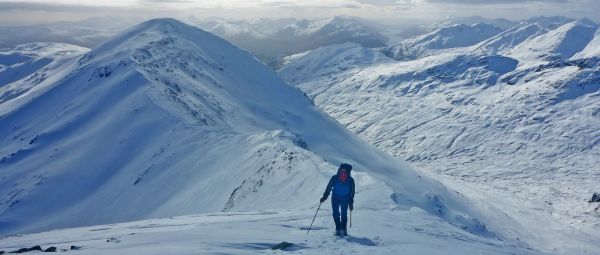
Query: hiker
342,186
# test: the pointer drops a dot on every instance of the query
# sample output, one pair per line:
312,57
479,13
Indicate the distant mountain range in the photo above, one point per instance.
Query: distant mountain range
272,40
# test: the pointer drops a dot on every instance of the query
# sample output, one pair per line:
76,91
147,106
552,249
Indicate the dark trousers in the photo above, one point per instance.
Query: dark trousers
339,208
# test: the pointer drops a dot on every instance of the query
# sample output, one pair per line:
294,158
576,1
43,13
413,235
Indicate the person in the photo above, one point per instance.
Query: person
341,186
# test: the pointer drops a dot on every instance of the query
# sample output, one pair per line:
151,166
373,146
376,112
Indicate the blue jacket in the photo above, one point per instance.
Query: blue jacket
340,190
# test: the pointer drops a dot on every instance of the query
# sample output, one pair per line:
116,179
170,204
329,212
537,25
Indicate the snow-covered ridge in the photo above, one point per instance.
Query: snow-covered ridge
443,38
36,55
472,20
549,22
166,119
375,230
510,38
592,50
27,70
519,129
330,59
560,43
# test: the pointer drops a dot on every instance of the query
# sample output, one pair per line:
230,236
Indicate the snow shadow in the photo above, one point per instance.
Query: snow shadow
261,246
361,240
305,228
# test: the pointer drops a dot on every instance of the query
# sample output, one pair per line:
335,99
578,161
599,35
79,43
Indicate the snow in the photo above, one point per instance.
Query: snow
507,121
443,38
472,20
549,22
592,49
26,59
167,120
347,56
510,38
561,43
168,139
27,70
256,232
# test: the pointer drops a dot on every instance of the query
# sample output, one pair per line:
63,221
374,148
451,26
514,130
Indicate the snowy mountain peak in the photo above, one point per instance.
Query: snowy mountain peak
551,23
592,50
560,43
452,36
149,32
166,119
144,122
587,22
497,22
510,38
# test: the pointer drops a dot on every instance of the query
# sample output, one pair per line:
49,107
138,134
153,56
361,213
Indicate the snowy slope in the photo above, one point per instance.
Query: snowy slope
166,119
592,50
510,38
126,94
443,38
27,70
379,228
520,132
24,60
561,43
332,59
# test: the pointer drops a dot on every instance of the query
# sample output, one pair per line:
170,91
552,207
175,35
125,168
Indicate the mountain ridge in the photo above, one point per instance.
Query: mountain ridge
143,124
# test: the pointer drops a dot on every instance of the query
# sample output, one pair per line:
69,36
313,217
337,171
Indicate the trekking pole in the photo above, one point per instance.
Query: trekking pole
314,218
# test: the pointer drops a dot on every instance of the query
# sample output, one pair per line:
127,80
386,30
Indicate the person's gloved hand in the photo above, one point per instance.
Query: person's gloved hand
323,199
351,205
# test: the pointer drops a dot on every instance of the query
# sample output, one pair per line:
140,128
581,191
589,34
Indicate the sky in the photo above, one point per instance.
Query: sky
28,12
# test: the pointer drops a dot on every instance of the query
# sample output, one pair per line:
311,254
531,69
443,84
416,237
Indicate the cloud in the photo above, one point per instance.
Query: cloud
379,2
493,2
22,11
7,6
253,4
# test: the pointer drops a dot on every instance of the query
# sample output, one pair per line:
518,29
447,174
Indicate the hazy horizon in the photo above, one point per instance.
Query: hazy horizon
17,13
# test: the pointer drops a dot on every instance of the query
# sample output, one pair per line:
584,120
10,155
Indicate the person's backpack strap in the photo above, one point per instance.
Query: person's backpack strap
329,187
352,189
